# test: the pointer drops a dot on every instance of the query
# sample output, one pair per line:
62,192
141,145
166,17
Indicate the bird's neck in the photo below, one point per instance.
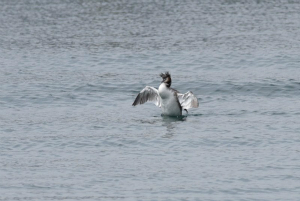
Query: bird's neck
168,82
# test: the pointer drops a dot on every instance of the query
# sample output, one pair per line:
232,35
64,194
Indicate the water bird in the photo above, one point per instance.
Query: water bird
168,99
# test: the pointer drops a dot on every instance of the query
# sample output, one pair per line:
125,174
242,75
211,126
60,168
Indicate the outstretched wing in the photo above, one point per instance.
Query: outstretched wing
188,100
148,94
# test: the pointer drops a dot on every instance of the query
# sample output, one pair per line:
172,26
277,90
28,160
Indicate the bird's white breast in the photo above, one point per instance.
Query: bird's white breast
169,102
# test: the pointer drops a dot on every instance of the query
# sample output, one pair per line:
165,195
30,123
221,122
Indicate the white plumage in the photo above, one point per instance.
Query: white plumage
169,100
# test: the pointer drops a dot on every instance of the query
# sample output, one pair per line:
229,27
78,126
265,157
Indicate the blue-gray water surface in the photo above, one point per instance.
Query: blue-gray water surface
71,69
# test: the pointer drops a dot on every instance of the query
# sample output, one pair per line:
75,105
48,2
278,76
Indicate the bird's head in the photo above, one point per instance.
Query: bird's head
166,78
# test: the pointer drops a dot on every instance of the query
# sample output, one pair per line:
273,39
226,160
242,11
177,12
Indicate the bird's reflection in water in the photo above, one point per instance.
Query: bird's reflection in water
170,123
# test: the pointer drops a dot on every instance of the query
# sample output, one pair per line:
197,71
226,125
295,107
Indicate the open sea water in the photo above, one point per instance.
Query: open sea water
71,69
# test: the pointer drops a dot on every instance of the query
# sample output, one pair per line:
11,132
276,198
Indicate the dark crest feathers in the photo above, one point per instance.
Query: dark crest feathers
165,75
166,78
